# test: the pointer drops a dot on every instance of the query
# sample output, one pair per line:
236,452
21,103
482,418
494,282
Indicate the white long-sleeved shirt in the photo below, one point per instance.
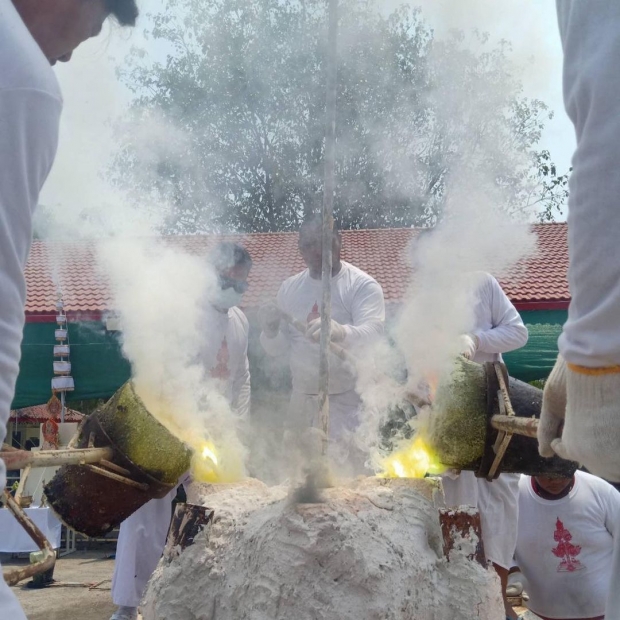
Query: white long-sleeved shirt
30,107
357,303
224,355
498,325
591,83
565,546
499,329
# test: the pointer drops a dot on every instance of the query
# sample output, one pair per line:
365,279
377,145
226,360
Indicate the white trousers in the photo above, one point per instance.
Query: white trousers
498,504
140,544
10,609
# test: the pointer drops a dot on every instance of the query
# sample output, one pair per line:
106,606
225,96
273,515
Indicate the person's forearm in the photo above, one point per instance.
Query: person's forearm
589,32
358,335
502,339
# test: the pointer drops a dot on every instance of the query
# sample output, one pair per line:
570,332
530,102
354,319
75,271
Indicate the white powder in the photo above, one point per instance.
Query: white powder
372,550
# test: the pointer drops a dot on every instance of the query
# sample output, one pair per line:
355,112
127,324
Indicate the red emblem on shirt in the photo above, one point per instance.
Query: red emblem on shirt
314,313
221,370
565,549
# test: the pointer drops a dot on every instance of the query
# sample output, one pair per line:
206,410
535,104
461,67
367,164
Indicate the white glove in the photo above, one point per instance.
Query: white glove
553,408
269,318
591,413
339,332
469,345
515,584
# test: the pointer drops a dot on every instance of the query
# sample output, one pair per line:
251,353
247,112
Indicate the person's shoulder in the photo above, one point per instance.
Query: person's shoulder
24,66
294,280
237,314
596,484
357,276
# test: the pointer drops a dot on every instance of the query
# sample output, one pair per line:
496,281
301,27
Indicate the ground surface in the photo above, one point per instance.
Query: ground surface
70,603
77,603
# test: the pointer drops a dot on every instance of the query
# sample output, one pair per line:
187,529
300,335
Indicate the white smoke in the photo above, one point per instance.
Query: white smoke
158,289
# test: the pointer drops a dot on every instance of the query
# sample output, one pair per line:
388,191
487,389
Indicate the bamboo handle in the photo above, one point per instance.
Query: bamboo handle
18,459
16,575
517,426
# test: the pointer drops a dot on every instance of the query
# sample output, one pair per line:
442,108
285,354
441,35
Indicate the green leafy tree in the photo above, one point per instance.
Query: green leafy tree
240,98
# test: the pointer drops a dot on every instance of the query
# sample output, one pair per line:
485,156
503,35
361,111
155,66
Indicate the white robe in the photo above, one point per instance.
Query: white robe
499,329
142,536
30,107
590,38
358,304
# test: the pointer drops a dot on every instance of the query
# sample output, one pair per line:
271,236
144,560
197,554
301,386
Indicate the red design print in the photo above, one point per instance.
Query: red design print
314,313
565,549
221,370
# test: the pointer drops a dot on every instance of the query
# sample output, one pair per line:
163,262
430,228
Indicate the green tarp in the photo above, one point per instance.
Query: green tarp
97,363
536,359
99,368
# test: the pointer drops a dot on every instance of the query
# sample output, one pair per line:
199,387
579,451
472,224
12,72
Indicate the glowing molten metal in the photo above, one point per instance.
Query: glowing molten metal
413,461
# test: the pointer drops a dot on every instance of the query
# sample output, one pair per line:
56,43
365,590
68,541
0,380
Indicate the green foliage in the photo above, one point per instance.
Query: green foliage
240,99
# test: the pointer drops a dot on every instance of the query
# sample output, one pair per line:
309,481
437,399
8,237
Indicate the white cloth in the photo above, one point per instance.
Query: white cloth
224,355
591,83
357,303
500,329
498,506
30,106
140,544
143,535
13,537
497,324
564,547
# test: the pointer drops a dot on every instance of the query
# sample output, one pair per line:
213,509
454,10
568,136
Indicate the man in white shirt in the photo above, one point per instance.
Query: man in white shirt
358,315
224,357
34,34
497,328
567,528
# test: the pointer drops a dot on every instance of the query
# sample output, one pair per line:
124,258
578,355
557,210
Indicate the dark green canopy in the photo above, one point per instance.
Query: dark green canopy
99,368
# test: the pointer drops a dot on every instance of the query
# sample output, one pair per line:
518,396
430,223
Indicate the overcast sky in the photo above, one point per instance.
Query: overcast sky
93,96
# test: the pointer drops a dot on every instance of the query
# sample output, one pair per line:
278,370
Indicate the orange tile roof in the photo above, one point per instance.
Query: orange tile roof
538,283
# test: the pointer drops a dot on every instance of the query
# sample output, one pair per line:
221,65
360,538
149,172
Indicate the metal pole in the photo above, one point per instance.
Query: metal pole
328,219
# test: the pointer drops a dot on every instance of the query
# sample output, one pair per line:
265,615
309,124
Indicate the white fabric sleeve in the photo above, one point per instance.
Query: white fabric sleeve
590,34
612,512
368,313
28,139
241,390
240,387
508,332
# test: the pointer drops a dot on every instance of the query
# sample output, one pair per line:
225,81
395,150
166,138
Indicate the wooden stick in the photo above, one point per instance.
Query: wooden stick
16,575
22,484
122,479
515,425
18,459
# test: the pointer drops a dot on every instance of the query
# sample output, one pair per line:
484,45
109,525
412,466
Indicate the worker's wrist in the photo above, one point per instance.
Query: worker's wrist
594,372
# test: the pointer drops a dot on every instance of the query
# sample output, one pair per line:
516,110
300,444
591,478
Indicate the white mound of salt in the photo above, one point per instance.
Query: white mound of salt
371,550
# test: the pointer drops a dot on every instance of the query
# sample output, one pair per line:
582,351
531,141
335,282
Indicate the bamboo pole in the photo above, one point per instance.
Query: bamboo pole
328,219
515,425
18,459
16,575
